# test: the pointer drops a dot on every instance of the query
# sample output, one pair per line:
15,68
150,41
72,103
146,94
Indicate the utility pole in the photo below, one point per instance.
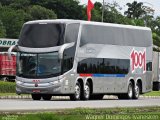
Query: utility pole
103,10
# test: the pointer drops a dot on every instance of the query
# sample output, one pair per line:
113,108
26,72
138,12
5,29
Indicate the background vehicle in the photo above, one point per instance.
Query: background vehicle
84,60
156,71
7,67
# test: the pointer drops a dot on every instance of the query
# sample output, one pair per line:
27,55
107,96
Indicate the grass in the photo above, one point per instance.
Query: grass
12,94
7,87
8,94
153,93
144,113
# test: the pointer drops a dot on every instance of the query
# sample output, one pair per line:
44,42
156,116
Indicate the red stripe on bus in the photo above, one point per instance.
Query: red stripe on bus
86,75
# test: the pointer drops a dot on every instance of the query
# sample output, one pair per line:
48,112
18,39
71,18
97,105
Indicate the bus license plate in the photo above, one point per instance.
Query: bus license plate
36,91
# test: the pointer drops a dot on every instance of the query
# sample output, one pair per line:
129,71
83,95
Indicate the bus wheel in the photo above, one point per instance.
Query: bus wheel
86,92
136,91
36,96
77,94
129,94
46,97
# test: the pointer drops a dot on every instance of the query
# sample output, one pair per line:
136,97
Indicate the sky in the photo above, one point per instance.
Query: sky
155,4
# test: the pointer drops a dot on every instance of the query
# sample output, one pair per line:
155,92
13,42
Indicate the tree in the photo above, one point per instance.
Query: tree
12,20
135,10
112,15
97,12
156,41
2,30
6,2
156,32
20,4
157,25
65,9
37,13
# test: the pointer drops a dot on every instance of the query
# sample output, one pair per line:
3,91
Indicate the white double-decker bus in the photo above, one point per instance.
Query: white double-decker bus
83,60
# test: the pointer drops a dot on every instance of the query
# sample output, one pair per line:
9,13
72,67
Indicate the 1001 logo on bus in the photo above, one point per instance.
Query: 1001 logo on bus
138,60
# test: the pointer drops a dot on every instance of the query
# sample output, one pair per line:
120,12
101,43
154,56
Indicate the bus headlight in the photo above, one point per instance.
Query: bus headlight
19,82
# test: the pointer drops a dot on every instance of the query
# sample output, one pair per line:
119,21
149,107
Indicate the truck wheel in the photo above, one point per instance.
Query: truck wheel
136,91
5,79
36,96
77,94
87,91
46,97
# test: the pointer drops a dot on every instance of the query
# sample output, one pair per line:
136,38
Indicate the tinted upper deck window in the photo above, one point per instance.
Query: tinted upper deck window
42,35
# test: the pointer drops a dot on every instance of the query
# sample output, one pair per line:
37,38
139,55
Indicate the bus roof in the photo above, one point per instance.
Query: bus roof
107,33
68,21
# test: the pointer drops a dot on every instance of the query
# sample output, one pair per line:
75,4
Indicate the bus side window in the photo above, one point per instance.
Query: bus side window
149,66
68,57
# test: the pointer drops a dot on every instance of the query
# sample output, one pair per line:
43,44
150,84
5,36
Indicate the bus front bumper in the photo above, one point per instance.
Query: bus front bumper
48,89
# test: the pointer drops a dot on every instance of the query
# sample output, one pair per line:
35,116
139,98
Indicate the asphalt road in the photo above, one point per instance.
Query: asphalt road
20,105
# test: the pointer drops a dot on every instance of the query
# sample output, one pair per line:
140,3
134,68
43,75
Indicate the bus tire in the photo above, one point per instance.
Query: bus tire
86,92
136,91
36,96
129,94
77,93
46,97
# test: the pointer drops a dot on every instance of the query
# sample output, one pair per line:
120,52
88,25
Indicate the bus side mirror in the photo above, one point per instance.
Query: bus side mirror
10,51
63,47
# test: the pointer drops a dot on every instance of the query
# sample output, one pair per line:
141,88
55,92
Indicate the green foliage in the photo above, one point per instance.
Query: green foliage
112,15
12,20
2,30
65,9
135,10
138,22
13,13
86,113
6,2
37,13
156,41
7,87
153,93
96,12
157,25
20,4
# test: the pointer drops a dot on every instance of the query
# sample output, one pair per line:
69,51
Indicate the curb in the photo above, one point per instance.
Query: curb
16,97
67,97
151,97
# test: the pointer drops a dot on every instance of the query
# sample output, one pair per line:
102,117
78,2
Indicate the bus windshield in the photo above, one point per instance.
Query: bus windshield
39,65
